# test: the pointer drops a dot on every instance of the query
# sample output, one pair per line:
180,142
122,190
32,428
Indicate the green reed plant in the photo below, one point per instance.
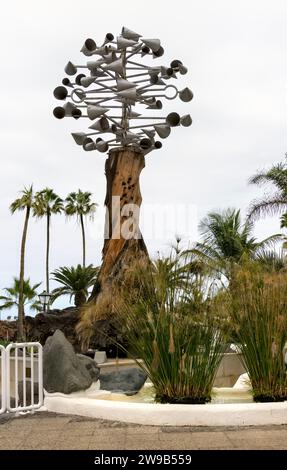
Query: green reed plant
259,315
169,325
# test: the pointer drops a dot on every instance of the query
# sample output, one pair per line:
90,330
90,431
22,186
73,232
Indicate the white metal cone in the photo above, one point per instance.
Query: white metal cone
186,94
96,111
116,66
69,107
123,84
153,44
130,136
79,137
90,146
129,34
130,94
149,133
182,69
102,146
186,120
122,42
162,130
70,69
101,125
93,64
87,81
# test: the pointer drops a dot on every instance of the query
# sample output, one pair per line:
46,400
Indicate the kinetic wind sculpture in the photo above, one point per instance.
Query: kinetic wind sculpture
112,90
112,85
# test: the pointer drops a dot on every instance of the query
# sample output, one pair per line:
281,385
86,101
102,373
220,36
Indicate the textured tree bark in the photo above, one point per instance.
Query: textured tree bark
123,169
47,254
21,313
83,239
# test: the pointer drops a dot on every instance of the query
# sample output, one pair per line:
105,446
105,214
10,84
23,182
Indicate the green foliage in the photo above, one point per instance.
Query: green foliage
75,281
30,295
258,310
80,203
23,202
47,202
283,221
168,323
272,261
275,176
226,240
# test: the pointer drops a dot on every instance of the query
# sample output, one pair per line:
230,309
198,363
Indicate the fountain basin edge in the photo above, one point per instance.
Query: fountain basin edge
233,414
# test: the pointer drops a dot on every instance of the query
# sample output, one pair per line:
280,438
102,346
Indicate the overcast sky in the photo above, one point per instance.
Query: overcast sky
236,55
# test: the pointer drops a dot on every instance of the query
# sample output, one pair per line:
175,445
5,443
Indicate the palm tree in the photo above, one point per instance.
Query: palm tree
80,204
12,297
23,203
75,281
226,240
276,202
272,261
283,221
46,203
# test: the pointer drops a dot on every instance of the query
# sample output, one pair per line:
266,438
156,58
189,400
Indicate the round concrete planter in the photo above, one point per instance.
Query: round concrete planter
90,404
240,414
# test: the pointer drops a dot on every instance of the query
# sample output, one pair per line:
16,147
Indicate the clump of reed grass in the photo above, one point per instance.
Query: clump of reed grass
258,309
169,324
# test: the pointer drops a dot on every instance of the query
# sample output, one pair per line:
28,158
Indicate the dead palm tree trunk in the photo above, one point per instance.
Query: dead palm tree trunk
20,324
120,251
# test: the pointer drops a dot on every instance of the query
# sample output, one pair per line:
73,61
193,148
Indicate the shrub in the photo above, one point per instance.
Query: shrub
169,325
258,311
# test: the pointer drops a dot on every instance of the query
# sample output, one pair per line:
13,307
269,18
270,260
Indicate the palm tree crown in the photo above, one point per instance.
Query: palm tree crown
11,298
79,204
75,282
47,202
227,238
23,202
274,203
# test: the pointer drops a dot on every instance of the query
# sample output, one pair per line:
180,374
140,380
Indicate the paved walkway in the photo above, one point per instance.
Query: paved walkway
54,431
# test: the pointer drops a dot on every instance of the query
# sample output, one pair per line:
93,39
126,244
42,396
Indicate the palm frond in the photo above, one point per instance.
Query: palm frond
267,206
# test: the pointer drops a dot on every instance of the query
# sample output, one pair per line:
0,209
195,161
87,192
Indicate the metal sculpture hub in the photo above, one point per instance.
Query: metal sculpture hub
114,89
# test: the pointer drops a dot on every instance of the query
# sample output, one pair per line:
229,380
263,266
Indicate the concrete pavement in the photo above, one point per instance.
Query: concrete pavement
58,432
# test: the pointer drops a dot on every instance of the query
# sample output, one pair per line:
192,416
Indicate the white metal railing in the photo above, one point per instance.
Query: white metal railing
3,379
22,376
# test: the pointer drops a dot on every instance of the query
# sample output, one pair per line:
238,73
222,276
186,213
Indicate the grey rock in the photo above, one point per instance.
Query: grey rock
128,381
90,365
63,370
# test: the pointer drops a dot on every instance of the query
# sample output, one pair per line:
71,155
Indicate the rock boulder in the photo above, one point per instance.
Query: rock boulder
63,370
128,381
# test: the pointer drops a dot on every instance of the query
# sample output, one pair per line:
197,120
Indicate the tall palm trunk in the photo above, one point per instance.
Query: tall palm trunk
47,253
84,239
20,324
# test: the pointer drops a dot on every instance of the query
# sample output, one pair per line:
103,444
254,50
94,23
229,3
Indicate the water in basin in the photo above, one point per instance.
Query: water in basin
146,395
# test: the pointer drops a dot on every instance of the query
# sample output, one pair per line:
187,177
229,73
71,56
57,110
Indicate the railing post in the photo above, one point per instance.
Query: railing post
3,379
21,374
